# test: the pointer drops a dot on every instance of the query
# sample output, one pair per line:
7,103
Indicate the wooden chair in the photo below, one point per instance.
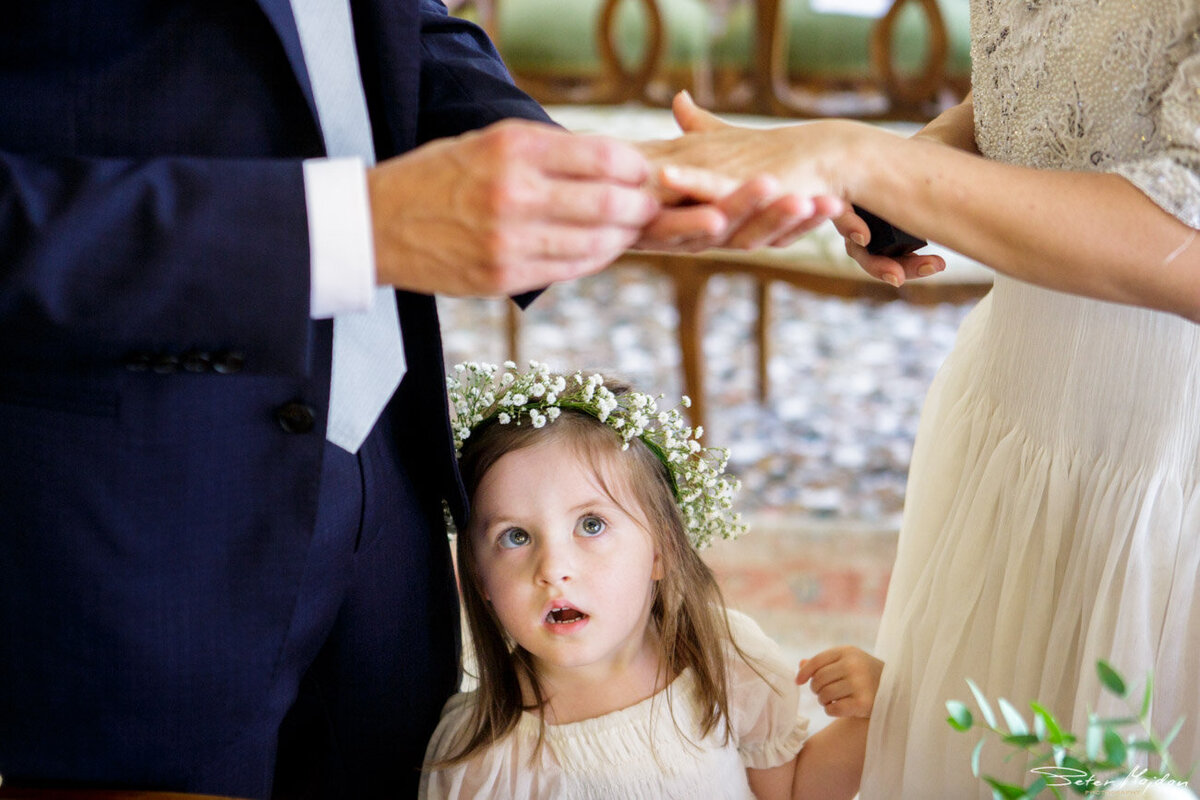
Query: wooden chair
816,263
601,51
780,58
963,281
806,61
764,56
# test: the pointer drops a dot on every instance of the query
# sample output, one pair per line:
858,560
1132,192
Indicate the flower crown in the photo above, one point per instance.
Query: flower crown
483,392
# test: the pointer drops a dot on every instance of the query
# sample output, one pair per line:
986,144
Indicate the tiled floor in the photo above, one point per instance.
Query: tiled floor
833,441
823,463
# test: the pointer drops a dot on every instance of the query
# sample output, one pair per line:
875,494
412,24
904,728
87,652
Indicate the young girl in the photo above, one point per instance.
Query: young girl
608,666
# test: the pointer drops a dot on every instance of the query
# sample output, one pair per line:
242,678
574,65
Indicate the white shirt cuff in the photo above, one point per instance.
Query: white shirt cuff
340,236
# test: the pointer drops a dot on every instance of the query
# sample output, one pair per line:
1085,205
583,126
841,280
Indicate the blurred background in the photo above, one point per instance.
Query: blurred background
812,374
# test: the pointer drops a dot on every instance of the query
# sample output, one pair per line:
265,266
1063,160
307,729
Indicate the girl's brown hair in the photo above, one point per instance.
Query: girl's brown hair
688,611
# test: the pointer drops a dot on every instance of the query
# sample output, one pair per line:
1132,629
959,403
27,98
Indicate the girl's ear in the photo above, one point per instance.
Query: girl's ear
659,572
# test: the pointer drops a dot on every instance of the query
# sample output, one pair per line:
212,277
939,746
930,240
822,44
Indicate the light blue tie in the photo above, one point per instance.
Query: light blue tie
368,358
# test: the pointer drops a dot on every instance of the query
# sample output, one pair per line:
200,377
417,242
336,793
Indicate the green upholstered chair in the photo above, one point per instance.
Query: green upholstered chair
812,62
601,51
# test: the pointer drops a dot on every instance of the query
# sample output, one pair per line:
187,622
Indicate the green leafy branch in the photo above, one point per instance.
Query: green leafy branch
1109,746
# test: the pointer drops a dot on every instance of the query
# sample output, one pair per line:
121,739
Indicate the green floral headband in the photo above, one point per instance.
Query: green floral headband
483,392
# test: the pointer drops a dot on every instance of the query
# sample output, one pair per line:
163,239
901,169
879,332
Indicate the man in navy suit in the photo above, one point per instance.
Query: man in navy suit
198,591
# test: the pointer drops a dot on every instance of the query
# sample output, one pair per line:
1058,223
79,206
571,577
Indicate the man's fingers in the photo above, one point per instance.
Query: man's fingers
584,202
547,243
576,155
545,255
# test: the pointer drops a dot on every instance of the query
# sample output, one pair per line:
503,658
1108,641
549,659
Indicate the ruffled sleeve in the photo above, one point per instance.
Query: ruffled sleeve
1170,176
764,715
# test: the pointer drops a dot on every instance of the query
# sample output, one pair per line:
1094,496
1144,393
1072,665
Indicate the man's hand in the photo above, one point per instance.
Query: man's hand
513,207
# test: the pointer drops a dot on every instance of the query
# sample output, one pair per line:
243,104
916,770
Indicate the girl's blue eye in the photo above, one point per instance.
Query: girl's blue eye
591,526
514,537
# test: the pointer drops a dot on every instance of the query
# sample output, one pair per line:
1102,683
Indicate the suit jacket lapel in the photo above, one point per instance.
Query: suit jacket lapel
279,12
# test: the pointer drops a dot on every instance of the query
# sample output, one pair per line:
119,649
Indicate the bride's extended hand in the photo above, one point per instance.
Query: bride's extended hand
813,161
760,210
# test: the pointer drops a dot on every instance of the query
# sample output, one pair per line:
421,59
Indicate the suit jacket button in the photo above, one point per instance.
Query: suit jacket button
137,362
165,363
228,362
196,361
296,418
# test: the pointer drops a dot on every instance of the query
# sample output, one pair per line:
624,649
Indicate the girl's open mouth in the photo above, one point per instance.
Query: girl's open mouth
565,616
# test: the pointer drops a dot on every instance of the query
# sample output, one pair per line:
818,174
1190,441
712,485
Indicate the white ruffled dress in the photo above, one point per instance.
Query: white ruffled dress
1053,508
638,752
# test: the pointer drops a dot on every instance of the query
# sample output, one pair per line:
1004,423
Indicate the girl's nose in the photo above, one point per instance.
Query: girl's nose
554,565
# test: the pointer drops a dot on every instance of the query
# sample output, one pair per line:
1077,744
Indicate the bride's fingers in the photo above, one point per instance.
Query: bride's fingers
691,117
851,226
824,209
696,183
784,218
919,265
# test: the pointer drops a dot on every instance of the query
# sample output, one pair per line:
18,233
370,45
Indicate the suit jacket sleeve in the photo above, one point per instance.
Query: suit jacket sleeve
462,73
149,202
100,256
464,83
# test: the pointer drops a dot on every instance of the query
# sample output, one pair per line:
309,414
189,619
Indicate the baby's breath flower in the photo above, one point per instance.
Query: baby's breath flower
480,392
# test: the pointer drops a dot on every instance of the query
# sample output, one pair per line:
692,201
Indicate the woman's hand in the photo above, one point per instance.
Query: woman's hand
954,127
890,270
703,209
728,167
814,161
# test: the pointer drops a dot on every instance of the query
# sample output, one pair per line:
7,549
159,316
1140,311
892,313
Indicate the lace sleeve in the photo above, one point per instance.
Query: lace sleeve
1171,176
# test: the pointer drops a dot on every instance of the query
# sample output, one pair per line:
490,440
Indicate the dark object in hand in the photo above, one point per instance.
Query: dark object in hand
886,238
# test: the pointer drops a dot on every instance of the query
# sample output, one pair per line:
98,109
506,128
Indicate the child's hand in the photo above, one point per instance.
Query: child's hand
844,679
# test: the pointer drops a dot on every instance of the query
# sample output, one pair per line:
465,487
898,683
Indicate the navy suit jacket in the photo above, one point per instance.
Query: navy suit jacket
154,326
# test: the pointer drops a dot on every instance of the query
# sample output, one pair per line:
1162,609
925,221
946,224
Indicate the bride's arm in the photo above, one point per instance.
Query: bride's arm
1087,233
1092,234
954,127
